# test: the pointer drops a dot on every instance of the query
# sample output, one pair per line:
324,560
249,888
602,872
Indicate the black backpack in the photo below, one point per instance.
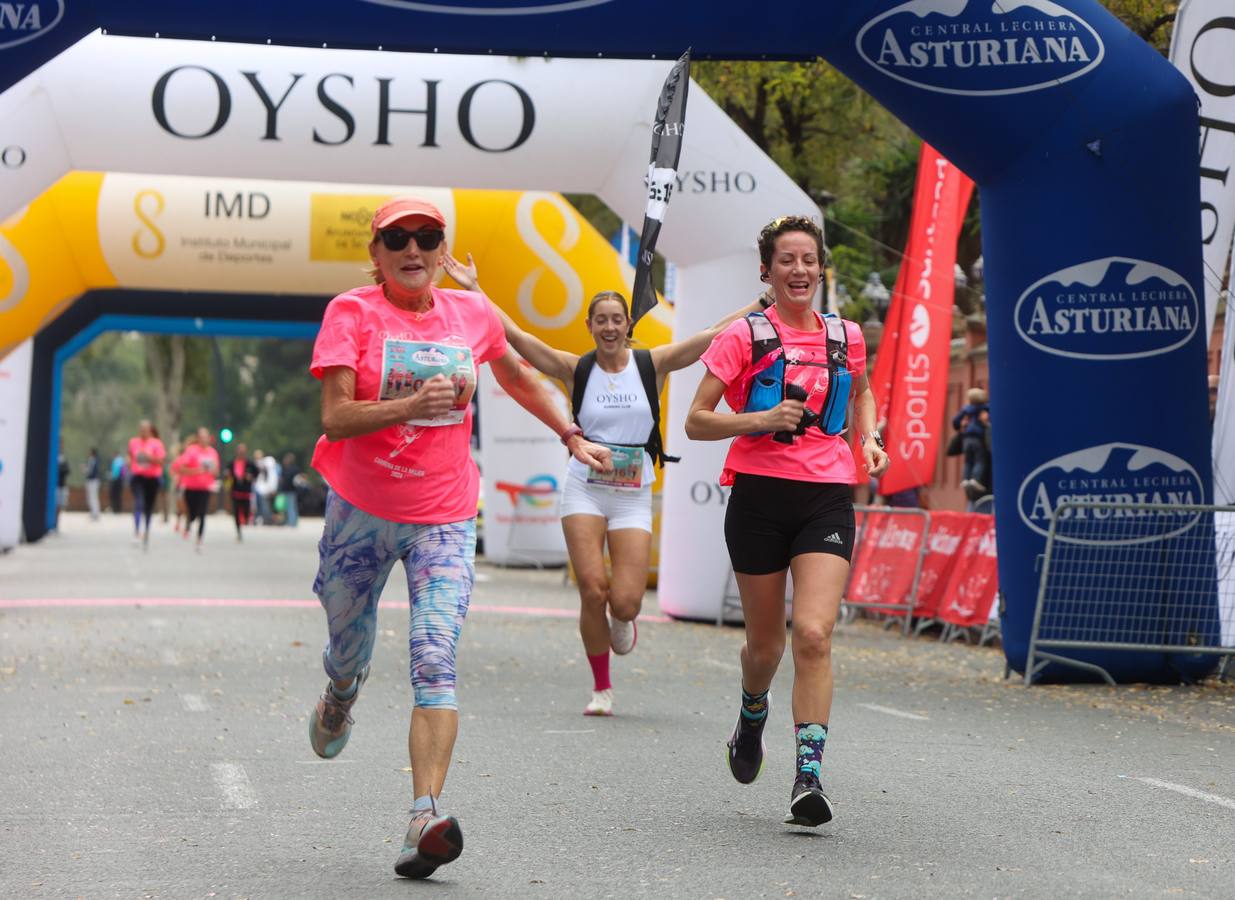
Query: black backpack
654,447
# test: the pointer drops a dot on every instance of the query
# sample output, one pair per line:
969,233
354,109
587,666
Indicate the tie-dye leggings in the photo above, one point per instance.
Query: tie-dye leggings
357,552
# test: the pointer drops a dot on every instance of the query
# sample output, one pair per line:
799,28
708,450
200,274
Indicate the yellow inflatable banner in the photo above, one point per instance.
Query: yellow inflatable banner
538,258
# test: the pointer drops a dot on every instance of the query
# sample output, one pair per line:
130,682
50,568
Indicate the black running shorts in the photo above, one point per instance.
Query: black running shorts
768,521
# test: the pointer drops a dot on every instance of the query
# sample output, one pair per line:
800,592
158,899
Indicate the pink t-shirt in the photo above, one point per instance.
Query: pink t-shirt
152,447
420,472
814,456
196,456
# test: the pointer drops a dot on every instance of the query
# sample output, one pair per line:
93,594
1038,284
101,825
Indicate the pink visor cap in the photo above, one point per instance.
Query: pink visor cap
404,208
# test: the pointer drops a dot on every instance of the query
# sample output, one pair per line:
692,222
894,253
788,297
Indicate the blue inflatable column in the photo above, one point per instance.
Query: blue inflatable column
1083,142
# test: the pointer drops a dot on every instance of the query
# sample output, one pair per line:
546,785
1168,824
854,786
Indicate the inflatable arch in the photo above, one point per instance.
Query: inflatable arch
1081,138
161,253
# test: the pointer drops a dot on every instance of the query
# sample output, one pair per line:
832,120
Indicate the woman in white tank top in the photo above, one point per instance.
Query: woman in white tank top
616,507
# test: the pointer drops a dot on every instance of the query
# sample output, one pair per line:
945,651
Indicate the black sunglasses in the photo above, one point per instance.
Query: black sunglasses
395,239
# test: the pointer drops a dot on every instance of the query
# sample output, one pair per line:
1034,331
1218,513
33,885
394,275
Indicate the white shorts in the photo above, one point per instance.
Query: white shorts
622,507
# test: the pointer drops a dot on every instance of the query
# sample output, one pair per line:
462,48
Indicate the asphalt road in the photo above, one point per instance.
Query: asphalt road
154,745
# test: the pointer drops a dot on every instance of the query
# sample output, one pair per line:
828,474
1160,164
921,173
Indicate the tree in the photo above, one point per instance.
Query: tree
841,147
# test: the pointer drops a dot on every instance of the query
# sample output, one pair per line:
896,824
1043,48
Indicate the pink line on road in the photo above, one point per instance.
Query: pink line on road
102,602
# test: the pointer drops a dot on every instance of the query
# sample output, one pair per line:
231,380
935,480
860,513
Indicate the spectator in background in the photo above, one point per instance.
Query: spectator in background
291,480
910,498
118,476
62,482
176,486
266,486
92,470
242,472
973,422
1213,398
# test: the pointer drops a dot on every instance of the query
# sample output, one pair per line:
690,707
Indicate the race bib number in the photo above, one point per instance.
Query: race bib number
627,469
407,365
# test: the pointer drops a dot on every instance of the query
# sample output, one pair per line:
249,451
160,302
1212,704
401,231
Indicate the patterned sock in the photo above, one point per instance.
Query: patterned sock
811,737
754,707
600,671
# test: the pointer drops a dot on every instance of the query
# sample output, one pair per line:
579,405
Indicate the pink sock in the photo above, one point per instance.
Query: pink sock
600,671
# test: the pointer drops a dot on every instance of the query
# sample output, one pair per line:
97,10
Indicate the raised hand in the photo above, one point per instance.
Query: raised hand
465,276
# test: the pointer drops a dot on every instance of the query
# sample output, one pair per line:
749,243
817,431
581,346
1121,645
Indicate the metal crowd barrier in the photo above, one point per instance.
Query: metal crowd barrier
1137,577
904,608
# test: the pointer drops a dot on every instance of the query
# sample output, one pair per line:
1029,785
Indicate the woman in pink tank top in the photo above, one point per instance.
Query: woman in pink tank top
791,503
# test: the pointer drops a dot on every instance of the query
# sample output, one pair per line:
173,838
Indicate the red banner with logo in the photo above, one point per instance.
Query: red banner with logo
886,558
943,544
970,594
910,377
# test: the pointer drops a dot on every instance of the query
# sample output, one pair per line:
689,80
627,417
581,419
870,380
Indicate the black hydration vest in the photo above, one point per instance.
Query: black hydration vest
647,374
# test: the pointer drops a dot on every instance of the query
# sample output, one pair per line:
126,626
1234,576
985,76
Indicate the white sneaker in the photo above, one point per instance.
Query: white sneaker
623,636
601,705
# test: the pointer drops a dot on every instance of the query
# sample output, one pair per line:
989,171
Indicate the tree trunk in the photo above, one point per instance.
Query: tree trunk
165,361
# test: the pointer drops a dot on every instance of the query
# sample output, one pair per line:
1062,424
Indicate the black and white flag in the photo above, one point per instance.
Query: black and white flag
668,129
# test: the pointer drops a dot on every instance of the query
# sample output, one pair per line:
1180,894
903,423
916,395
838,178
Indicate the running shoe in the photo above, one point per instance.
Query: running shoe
432,840
809,806
331,723
623,636
746,749
601,705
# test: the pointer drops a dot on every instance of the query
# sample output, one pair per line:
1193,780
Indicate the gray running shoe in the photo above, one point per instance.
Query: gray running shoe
331,723
432,840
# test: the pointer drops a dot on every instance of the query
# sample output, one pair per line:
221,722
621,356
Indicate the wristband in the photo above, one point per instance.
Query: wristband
765,301
874,436
570,432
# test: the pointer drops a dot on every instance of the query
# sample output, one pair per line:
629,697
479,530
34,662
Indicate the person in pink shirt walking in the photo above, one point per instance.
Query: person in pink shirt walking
146,456
790,372
197,468
397,361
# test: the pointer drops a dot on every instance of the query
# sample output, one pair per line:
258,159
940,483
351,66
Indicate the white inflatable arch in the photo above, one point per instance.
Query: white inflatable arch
247,111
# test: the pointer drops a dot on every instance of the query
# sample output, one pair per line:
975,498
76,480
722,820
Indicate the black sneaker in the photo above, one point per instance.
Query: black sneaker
808,804
746,749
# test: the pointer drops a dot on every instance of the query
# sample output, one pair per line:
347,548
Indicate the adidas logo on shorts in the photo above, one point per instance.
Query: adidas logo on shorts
833,538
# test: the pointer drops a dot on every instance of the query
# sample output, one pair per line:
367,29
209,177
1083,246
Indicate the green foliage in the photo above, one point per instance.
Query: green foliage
106,392
261,389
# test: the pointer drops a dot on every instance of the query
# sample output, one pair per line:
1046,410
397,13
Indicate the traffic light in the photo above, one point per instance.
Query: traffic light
225,435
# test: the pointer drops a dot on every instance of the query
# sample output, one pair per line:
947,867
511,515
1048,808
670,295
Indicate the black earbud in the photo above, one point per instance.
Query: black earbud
765,277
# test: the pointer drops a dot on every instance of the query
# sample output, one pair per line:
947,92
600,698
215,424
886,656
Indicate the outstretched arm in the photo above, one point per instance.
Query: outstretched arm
529,393
555,363
681,354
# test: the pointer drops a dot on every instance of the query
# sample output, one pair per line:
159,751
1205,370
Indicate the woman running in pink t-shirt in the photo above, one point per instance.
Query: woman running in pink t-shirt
146,455
396,454
197,468
791,504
